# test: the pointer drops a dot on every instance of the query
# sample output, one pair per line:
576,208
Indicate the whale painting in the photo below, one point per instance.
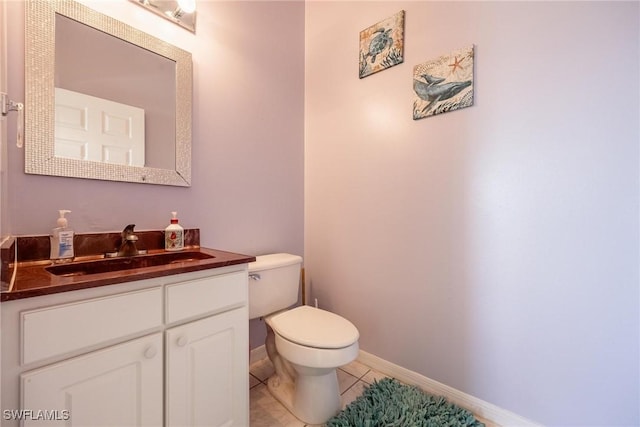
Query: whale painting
443,84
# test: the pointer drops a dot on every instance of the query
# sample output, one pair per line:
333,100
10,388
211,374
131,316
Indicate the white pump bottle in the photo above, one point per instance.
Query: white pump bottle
174,235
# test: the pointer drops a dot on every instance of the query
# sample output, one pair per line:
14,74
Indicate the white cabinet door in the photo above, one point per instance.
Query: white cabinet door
207,375
118,386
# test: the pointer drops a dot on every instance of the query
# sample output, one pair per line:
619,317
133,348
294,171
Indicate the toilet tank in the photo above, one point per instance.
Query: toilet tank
274,280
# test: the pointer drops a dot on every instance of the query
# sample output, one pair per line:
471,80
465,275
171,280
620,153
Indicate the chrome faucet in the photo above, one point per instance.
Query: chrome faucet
128,244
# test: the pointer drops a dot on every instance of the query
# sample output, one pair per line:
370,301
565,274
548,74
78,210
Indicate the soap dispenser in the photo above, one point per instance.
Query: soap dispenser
174,235
62,239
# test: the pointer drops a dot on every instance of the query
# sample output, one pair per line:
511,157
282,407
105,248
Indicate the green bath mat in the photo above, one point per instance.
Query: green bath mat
389,403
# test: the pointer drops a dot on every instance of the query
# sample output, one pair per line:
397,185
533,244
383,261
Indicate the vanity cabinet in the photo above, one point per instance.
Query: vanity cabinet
117,386
169,351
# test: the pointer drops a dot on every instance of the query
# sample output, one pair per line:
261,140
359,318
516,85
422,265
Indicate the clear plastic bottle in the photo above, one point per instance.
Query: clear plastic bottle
61,239
174,235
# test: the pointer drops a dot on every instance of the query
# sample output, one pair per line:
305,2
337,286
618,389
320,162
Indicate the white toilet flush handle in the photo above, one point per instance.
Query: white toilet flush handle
254,276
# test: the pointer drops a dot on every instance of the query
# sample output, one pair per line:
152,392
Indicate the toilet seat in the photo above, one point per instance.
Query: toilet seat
315,328
305,357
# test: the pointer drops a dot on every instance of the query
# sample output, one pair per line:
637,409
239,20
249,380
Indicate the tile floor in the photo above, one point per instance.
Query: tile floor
266,411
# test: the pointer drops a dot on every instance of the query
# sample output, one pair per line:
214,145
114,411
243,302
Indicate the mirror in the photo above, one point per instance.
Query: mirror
127,67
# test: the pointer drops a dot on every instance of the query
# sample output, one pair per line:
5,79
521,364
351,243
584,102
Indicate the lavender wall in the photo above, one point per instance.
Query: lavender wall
495,248
247,169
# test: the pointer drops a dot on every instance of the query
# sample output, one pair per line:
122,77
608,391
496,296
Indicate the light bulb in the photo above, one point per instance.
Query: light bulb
187,6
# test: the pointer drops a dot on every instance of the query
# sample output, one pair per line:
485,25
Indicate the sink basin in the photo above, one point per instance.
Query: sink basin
126,263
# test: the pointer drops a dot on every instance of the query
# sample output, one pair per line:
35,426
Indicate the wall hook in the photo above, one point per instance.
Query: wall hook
7,105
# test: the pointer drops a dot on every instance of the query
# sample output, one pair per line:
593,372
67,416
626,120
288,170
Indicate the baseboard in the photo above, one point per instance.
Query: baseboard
483,409
479,407
257,354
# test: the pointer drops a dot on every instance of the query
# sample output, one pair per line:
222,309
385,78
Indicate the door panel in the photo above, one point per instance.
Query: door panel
207,381
118,386
99,130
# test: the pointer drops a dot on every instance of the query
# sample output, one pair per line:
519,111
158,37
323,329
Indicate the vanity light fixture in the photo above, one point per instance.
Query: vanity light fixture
181,12
184,6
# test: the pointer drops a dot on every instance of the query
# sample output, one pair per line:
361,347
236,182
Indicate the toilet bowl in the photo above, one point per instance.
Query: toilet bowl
305,344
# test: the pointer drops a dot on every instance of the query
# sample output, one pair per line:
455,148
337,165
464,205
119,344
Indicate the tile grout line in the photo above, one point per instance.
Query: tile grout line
257,379
358,379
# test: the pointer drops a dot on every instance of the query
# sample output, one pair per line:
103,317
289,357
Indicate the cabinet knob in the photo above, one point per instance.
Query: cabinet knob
150,352
181,341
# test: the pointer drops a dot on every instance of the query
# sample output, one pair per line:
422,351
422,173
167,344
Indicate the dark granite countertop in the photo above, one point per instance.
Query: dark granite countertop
32,277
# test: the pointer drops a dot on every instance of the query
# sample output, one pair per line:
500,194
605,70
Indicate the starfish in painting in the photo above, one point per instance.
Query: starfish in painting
456,64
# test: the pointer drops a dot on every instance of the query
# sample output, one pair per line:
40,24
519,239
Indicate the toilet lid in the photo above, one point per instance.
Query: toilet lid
314,327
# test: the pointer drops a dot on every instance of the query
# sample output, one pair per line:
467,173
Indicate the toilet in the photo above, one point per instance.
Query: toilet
305,344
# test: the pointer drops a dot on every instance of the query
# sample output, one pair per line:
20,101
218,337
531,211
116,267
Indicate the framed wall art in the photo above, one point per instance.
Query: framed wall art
382,45
443,84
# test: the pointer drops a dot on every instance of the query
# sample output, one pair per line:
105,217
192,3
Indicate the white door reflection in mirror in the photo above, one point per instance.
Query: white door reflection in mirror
99,130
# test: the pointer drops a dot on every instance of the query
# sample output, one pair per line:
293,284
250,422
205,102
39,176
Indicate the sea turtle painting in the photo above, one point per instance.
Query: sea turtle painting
382,45
379,43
